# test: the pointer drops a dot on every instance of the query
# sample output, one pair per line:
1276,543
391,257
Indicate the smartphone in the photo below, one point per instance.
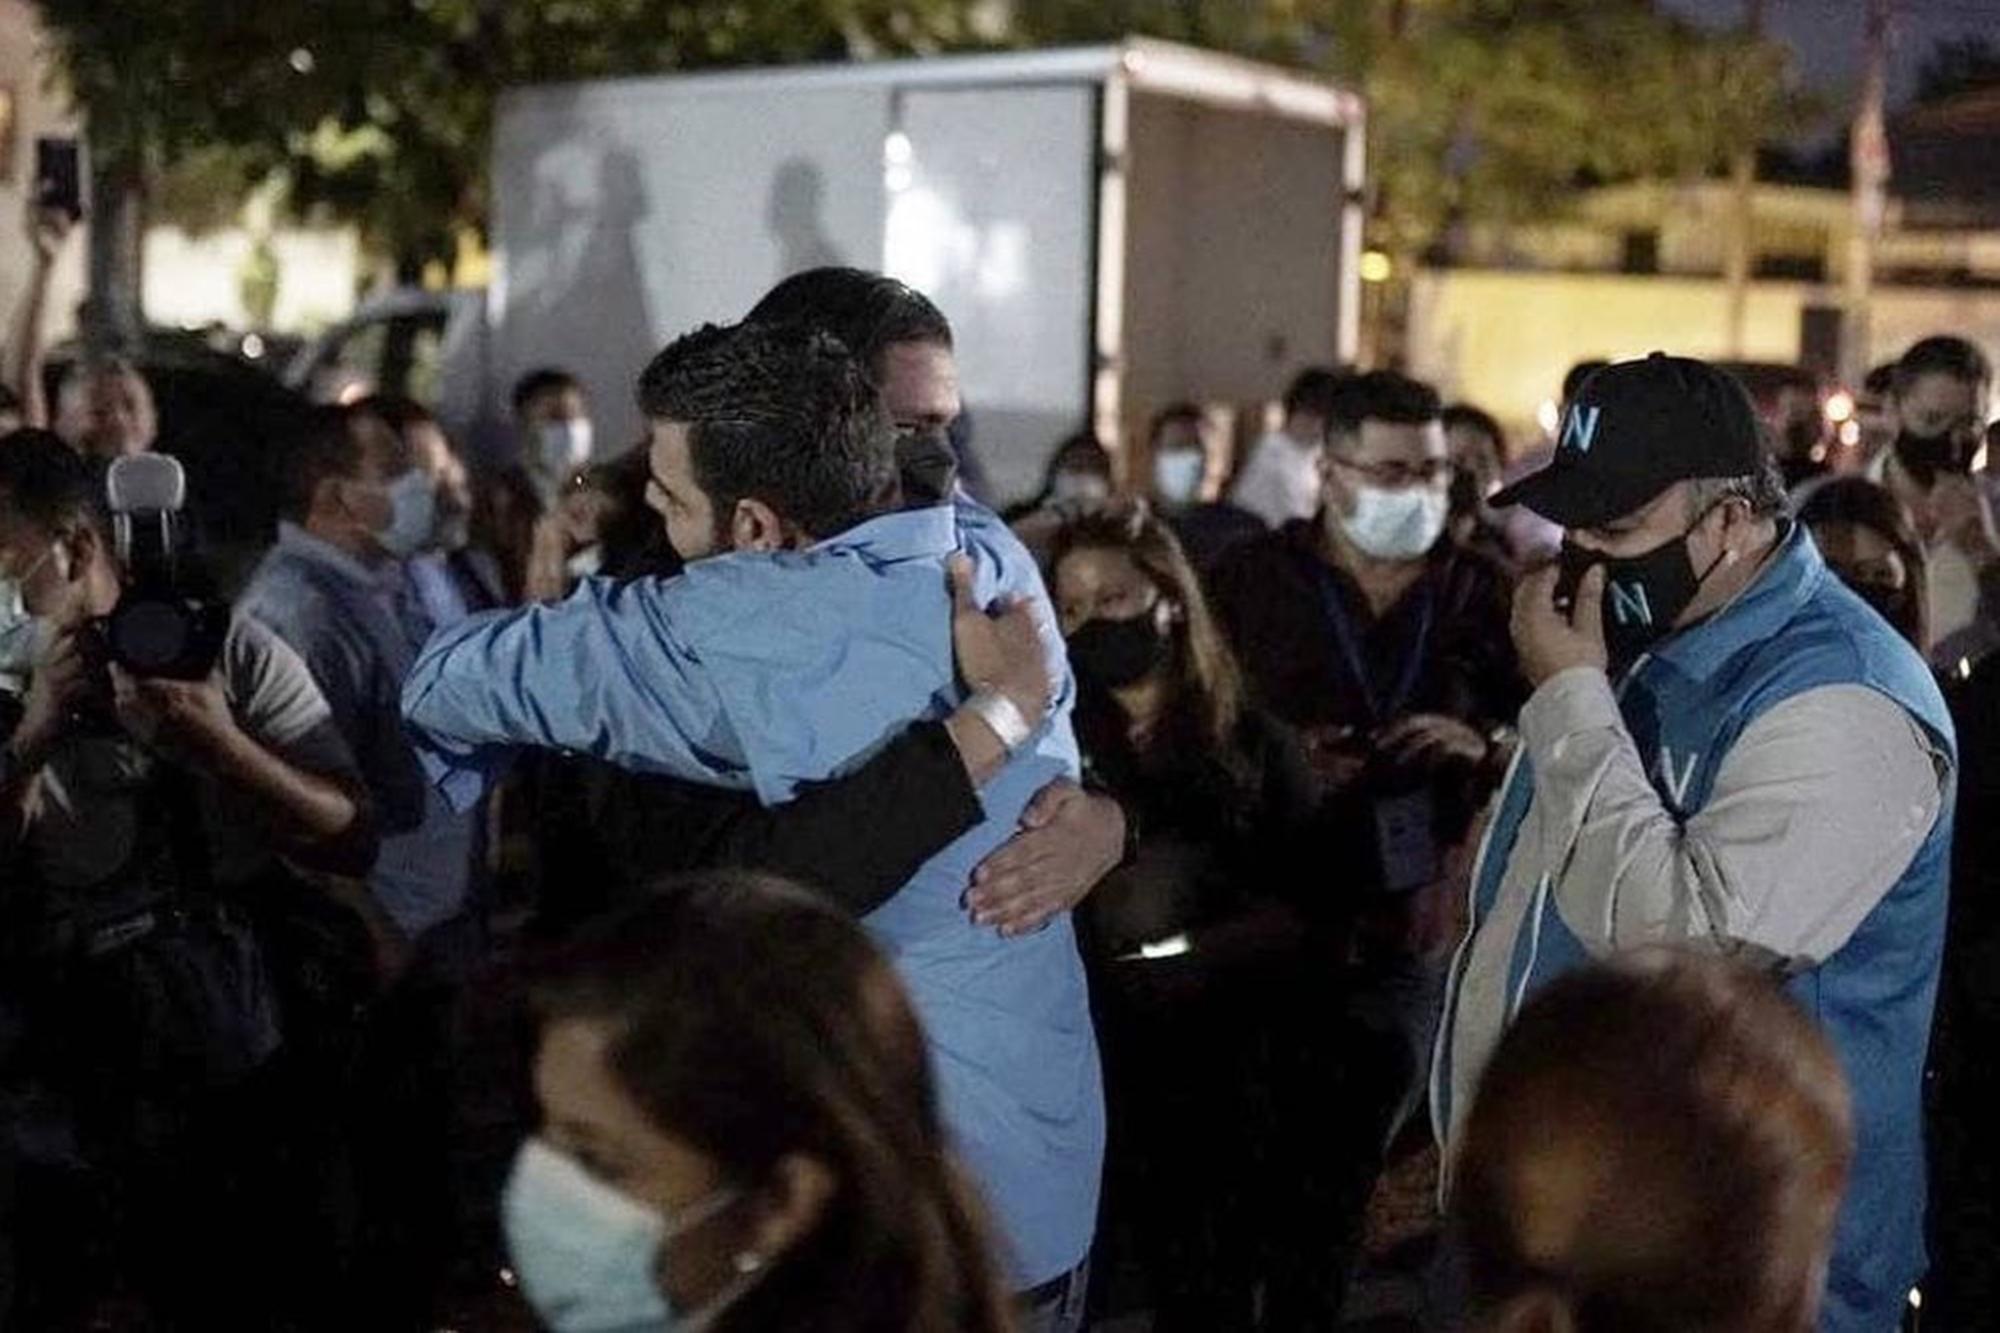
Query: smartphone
59,175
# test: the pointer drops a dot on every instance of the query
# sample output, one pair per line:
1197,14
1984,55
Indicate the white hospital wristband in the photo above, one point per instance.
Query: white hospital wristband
1002,716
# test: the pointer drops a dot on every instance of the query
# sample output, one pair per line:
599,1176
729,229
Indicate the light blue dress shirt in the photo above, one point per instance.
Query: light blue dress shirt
764,671
358,634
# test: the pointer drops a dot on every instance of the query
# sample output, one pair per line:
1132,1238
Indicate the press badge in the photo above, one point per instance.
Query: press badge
1406,841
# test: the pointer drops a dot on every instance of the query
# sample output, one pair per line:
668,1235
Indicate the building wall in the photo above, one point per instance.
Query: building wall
1503,339
1796,226
36,111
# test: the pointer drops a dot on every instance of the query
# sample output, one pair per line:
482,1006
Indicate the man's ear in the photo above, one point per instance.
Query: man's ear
755,526
327,498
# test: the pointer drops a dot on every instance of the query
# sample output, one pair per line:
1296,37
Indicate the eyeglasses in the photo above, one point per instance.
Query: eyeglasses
1396,473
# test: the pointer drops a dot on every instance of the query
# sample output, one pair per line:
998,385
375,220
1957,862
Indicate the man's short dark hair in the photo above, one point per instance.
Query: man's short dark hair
1313,389
47,483
867,311
1382,395
781,413
1468,417
325,447
1177,414
1955,357
535,383
1881,381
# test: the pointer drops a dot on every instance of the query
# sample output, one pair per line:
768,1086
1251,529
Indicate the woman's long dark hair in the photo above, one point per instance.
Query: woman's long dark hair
755,1021
1865,504
1208,683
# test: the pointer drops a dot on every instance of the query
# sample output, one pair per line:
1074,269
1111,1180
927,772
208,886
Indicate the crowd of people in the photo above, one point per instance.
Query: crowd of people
747,883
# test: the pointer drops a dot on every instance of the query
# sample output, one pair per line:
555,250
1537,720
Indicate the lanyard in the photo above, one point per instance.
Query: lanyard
1380,710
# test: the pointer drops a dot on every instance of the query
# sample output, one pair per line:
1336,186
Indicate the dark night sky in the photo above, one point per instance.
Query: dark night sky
1826,34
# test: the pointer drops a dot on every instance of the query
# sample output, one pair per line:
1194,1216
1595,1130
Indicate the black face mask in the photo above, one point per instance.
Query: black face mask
1643,594
928,465
1112,654
1925,456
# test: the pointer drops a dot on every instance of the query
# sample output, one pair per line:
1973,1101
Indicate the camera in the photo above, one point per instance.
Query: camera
161,626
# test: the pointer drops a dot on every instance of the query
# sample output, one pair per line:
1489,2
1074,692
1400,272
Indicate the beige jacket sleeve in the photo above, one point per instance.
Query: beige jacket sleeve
1816,812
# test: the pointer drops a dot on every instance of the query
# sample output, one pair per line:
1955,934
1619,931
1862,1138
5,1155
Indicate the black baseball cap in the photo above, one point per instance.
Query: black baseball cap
1634,429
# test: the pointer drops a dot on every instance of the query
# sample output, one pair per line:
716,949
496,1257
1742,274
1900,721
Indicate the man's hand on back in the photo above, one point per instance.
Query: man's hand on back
999,649
1069,839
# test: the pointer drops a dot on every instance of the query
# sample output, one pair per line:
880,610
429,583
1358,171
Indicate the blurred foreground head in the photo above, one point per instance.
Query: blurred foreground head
1658,1147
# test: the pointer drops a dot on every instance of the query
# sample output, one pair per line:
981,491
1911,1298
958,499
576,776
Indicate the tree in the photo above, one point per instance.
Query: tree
380,111
1490,110
1958,65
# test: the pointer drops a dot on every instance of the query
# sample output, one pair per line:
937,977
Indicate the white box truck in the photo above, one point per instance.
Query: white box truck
1109,229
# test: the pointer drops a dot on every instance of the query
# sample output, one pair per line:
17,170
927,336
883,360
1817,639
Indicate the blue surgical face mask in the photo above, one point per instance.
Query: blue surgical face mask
588,1256
23,637
412,514
564,446
1177,475
1079,488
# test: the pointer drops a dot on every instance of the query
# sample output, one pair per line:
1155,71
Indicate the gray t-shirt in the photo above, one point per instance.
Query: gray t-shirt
84,828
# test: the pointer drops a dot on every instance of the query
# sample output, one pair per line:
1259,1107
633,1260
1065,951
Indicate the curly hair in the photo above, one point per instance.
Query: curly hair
781,414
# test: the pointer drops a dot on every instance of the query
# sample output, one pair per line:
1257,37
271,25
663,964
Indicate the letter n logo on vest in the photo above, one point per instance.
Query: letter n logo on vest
1629,605
1580,431
1677,781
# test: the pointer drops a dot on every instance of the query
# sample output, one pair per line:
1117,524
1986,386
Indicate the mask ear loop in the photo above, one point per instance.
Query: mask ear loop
1729,554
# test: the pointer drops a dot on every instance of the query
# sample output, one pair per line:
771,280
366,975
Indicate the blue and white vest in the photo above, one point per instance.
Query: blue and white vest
1796,628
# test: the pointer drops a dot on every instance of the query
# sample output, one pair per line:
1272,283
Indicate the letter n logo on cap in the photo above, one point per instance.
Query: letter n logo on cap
1581,429
1629,605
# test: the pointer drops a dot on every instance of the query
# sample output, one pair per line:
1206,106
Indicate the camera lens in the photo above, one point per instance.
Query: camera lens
150,636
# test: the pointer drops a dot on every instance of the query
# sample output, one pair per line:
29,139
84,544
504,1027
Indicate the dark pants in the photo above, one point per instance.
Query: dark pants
404,1141
135,1085
1358,1062
1182,1072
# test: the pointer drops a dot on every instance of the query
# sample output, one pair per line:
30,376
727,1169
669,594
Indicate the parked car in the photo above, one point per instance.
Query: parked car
426,345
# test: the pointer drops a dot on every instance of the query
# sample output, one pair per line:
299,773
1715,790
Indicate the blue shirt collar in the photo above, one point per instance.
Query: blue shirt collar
1789,578
296,541
906,534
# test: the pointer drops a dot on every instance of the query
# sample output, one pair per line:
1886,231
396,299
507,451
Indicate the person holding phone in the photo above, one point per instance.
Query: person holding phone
49,227
1728,749
1384,644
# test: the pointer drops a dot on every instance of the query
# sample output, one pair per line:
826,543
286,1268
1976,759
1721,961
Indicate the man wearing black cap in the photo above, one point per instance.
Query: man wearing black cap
1726,749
